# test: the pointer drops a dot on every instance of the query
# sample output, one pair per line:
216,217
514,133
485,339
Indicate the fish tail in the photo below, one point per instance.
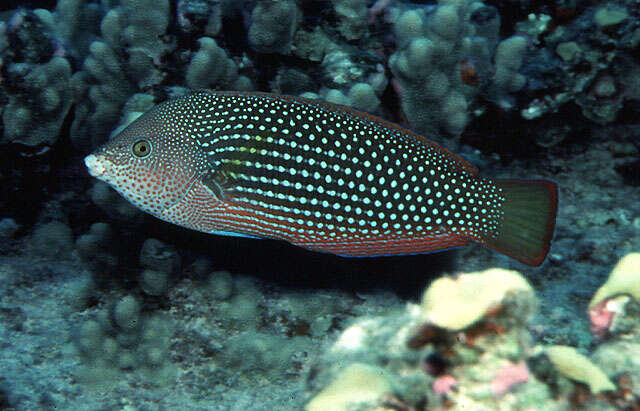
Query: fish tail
529,218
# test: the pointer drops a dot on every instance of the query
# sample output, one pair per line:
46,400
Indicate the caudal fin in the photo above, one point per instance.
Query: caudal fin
530,209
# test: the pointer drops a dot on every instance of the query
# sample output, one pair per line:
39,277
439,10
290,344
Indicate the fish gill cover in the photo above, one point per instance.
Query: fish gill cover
105,307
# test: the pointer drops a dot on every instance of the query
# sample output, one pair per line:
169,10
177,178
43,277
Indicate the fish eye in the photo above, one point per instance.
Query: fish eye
141,148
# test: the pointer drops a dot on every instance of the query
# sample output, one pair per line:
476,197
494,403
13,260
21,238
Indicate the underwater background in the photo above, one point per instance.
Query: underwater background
103,307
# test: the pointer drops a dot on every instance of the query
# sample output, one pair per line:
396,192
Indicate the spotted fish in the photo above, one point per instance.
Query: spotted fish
320,176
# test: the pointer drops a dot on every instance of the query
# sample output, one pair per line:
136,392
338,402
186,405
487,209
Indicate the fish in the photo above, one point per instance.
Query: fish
320,176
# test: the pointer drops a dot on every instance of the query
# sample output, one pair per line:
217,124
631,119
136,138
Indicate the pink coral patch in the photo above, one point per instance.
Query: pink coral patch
601,319
444,384
508,377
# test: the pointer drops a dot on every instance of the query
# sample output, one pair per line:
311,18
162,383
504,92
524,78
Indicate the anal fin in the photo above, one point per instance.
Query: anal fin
232,234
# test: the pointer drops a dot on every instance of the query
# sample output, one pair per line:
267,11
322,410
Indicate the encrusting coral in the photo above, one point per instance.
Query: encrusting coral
447,57
467,346
576,366
457,303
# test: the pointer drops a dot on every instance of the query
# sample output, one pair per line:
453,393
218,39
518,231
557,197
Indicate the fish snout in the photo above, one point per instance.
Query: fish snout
95,165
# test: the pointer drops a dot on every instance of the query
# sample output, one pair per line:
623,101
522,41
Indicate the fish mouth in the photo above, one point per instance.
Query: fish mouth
95,165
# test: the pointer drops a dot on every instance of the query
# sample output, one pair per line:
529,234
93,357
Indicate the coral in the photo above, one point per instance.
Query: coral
577,367
614,316
293,82
610,15
601,317
96,250
200,269
102,89
444,384
468,347
569,51
444,60
199,15
457,303
336,97
158,256
317,311
429,352
54,240
360,96
617,355
154,282
340,69
363,97
582,71
508,377
42,99
614,312
78,23
27,39
123,62
409,25
258,353
624,279
352,15
124,339
138,25
355,85
219,285
126,314
358,385
161,263
312,45
273,24
379,343
251,335
210,66
242,310
508,61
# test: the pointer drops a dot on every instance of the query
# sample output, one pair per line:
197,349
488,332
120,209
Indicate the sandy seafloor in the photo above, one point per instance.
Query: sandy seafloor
598,222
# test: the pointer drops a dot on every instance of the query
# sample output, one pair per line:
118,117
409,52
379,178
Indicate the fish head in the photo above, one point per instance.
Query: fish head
152,162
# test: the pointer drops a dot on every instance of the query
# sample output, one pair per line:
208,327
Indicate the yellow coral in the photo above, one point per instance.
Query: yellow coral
356,384
624,279
456,303
577,367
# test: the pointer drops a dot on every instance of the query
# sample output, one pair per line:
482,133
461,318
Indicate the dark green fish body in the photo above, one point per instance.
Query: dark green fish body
320,176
